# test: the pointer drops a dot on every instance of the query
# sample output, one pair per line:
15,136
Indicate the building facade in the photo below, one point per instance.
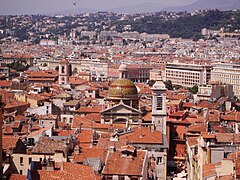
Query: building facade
229,74
188,75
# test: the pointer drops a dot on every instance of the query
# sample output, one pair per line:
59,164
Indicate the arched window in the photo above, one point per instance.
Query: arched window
63,69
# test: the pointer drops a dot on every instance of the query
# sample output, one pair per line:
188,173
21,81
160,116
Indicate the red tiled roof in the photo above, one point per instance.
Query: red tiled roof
89,110
17,177
41,74
192,141
188,104
5,83
90,153
85,136
227,137
197,128
9,142
209,169
15,104
143,135
116,164
176,96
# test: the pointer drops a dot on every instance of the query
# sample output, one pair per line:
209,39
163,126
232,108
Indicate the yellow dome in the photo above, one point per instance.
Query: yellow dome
123,89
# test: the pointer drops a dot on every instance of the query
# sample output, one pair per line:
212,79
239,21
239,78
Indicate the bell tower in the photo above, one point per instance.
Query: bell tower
63,72
159,105
123,71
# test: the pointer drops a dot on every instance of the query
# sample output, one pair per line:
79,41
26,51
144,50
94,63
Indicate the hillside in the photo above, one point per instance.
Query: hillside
188,26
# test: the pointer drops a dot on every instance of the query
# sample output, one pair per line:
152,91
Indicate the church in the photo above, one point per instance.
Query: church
123,103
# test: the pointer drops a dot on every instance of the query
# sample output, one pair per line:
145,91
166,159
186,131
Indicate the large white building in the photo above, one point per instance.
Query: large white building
229,74
188,75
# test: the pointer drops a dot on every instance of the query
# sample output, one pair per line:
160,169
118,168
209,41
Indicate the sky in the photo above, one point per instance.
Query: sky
52,6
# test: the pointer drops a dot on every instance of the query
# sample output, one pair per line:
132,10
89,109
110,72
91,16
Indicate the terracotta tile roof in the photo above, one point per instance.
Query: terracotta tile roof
116,164
46,145
20,118
79,171
15,104
8,129
94,116
209,169
64,132
104,142
237,165
4,83
37,97
47,116
16,124
9,142
177,114
226,177
188,104
207,104
192,141
85,136
82,121
176,96
77,81
89,110
17,177
228,138
213,115
197,128
143,136
41,74
90,153
206,135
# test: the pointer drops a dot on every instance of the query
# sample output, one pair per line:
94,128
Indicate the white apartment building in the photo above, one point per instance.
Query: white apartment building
227,73
188,75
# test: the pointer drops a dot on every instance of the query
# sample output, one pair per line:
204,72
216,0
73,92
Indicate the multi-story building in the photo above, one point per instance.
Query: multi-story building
229,74
188,75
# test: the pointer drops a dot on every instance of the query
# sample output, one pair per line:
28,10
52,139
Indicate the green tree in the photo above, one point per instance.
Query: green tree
193,89
169,85
151,82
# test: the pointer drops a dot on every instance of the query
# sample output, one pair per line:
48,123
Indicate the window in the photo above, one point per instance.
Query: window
63,69
20,172
159,103
40,159
21,161
29,160
70,120
159,160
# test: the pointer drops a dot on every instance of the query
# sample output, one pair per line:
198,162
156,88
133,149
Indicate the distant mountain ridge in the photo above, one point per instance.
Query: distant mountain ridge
207,4
143,7
155,7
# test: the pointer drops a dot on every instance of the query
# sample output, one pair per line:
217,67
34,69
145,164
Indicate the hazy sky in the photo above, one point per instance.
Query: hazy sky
52,6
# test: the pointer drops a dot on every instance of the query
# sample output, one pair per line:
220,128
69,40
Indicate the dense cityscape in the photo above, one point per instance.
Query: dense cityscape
144,96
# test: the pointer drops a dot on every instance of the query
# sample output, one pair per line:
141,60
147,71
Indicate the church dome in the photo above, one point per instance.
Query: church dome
122,89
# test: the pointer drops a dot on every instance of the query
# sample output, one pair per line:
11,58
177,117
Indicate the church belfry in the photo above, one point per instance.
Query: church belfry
159,105
63,72
123,71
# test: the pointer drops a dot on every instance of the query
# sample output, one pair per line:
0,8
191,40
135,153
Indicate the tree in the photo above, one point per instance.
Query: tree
169,85
193,89
151,82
